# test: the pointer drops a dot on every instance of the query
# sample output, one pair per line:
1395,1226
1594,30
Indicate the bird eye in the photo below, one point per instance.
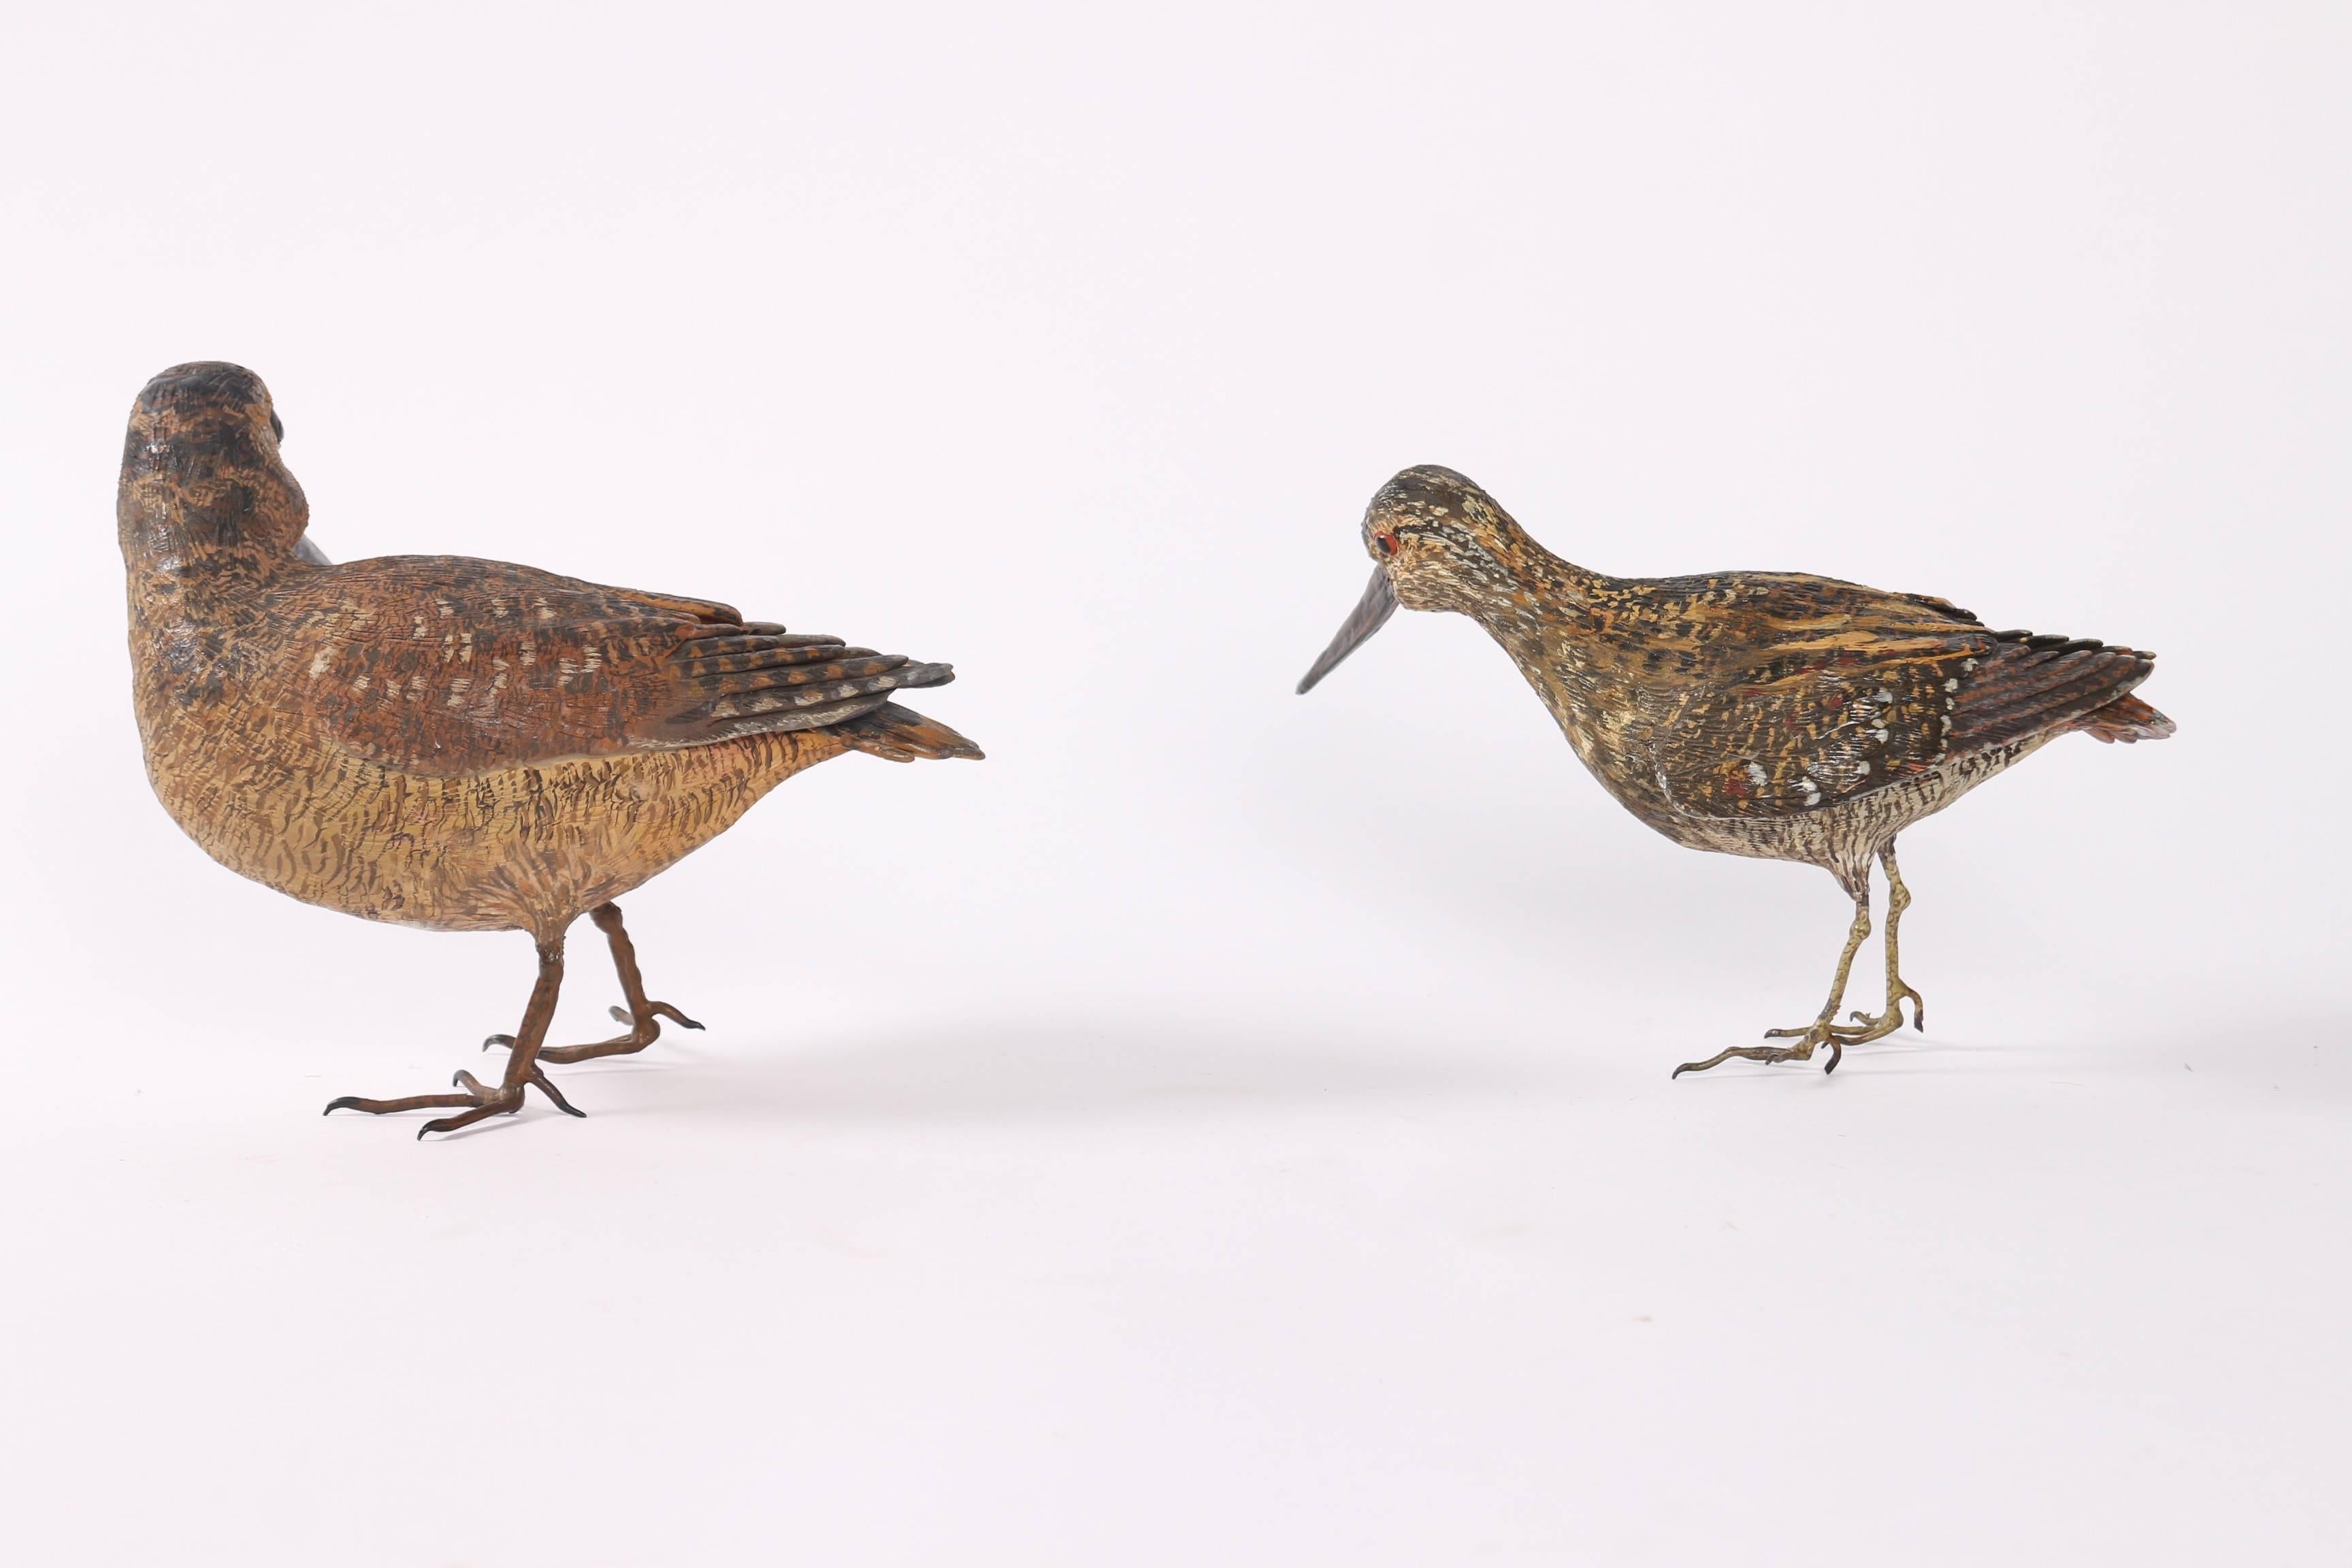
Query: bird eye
1387,541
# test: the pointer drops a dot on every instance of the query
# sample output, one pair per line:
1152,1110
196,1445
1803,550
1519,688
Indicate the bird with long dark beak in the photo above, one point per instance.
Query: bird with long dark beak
1771,714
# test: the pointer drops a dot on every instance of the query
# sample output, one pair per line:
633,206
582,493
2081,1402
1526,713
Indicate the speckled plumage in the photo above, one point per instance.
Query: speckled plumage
1762,713
468,745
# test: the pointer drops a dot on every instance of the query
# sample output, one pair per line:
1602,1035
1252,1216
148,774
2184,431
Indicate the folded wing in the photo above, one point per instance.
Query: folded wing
448,666
1842,691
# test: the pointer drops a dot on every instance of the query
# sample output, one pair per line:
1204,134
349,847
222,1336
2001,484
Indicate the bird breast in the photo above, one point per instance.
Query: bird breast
522,848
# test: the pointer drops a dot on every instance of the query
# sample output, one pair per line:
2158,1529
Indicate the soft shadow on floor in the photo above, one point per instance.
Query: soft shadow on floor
2305,1052
2299,1052
1053,1071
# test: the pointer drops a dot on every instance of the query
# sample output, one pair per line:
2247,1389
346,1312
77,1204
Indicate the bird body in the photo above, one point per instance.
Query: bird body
461,744
1769,714
514,849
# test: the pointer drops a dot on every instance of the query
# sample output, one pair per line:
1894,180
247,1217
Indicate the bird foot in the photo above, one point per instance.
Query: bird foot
1820,1032
480,1100
1880,1025
644,1030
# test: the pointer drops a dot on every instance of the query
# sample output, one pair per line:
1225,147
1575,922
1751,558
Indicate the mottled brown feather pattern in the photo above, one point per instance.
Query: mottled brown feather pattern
1768,713
1771,714
441,665
444,741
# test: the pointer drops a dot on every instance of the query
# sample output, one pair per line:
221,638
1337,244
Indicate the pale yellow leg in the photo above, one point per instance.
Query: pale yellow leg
1898,898
1823,1030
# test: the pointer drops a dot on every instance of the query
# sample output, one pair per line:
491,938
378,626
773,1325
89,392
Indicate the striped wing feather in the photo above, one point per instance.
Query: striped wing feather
1833,707
447,667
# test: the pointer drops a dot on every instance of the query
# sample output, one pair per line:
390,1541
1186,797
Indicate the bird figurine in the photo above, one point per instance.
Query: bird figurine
1765,713
460,744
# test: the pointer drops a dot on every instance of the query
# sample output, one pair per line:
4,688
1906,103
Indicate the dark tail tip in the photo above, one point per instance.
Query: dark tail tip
2127,719
902,735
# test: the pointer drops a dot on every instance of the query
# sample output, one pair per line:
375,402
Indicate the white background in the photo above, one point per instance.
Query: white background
1221,1127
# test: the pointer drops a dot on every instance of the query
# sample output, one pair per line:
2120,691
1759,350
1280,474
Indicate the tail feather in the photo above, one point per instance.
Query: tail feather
2127,719
901,735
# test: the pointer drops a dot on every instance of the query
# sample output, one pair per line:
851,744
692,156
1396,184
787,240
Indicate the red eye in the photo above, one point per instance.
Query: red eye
1387,543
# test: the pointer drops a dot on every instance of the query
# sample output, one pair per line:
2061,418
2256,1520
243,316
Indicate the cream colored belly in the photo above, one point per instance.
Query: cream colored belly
526,849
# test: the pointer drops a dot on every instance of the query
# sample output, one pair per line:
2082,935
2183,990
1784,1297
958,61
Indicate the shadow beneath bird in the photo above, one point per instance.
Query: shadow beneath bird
2306,1053
1076,1070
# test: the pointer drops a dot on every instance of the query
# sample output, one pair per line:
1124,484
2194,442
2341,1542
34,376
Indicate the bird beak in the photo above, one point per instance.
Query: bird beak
1371,612
311,552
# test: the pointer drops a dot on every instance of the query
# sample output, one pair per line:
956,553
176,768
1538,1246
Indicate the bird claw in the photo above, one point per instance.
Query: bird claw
547,1087
474,1100
643,1032
1866,1027
1820,1032
1870,1026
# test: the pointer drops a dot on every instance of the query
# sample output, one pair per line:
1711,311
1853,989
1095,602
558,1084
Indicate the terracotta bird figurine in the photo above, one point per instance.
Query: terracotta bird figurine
1763,713
462,744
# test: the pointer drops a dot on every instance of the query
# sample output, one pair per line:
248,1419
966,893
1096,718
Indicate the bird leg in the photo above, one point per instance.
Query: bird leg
643,1018
1823,1030
1898,898
504,1099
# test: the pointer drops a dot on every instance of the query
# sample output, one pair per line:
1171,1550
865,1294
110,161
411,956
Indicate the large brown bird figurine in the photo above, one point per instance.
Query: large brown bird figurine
462,744
1765,713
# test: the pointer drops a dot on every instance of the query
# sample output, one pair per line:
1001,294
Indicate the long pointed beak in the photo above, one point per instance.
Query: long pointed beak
1370,613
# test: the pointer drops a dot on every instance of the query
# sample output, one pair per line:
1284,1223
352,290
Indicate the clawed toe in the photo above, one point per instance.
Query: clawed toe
1796,1053
1825,1030
658,1010
1821,1032
1868,1026
475,1100
555,1096
498,1103
644,1028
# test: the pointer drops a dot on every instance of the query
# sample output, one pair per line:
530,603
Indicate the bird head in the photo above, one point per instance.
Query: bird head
201,480
1437,543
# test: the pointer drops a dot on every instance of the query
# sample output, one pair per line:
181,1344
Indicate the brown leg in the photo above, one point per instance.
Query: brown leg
643,1018
1898,898
522,1066
1821,1031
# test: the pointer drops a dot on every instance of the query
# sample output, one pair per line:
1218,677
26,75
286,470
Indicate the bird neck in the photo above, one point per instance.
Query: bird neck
1531,592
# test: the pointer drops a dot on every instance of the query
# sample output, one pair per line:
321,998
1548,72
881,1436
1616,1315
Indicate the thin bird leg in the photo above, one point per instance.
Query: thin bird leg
522,1072
1898,898
643,1018
1822,1030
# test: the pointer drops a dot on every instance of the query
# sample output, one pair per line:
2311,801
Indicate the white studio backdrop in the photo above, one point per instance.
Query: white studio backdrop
1222,1126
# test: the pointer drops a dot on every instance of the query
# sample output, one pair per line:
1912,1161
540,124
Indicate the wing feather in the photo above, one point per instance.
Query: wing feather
448,666
1837,692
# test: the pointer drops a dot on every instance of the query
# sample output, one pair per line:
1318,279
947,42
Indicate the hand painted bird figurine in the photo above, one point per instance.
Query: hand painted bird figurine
462,744
1763,713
